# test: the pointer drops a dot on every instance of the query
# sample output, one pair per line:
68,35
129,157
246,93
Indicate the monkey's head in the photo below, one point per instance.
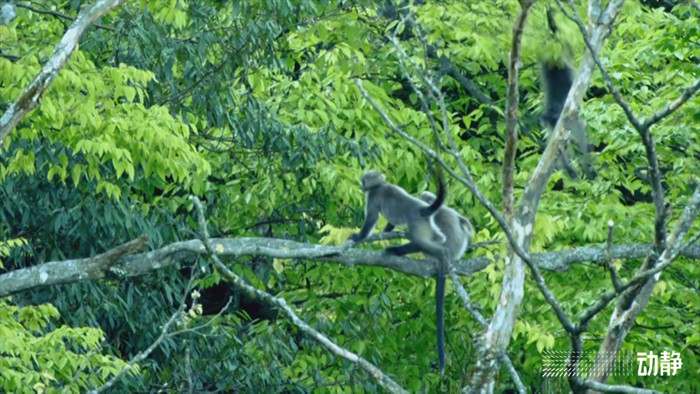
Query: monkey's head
372,179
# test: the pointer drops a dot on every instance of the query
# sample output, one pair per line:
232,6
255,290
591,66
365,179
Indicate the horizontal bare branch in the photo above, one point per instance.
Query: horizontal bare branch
609,388
85,269
67,271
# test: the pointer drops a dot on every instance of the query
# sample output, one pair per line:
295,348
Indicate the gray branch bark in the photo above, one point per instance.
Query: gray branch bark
635,299
128,265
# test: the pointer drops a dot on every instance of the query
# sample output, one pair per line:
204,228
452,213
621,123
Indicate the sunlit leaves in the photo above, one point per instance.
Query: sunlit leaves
172,16
253,106
7,245
22,161
100,115
32,353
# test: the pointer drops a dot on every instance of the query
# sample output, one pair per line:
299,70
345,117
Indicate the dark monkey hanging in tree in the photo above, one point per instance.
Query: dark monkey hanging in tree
557,79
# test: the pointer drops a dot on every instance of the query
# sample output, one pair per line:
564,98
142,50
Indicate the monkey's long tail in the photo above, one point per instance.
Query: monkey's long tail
439,199
440,306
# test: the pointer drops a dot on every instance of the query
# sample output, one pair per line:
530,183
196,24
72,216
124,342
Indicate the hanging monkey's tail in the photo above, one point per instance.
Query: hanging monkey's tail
440,306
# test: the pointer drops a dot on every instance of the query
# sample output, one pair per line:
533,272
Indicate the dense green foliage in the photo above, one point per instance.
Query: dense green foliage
37,356
252,106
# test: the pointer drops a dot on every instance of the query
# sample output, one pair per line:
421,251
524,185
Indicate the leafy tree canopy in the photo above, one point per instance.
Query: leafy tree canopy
253,106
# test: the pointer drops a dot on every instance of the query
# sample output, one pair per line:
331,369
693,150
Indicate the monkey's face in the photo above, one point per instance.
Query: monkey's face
371,179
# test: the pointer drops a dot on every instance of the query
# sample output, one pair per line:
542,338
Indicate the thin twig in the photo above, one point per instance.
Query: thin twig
608,261
165,333
384,380
60,15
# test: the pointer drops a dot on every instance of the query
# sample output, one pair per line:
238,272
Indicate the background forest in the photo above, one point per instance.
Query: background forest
269,112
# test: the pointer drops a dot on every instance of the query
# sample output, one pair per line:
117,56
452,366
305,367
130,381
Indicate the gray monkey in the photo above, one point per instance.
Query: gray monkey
399,208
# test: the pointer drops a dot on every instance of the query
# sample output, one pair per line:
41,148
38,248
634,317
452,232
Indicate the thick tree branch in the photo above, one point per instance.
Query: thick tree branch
67,271
533,190
609,388
29,98
78,270
500,329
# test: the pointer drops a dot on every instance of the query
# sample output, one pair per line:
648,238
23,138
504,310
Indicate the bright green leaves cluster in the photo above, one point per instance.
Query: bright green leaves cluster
7,245
481,29
36,356
653,73
98,115
534,335
323,94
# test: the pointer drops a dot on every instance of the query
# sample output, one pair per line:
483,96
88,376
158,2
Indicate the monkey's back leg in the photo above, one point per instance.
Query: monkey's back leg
403,249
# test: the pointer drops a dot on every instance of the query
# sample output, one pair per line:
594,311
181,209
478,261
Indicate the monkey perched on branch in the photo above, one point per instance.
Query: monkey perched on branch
399,208
433,229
